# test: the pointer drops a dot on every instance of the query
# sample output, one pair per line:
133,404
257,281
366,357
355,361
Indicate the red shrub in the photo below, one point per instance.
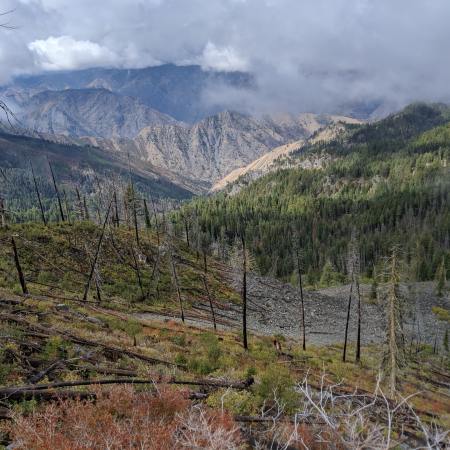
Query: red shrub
118,419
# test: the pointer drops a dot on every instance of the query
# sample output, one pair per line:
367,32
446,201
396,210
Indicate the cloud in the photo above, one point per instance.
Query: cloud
305,55
223,59
65,53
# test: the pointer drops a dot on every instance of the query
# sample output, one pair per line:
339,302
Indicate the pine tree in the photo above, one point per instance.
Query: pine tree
329,275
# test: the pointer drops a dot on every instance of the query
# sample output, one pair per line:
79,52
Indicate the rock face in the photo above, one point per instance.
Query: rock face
218,145
89,112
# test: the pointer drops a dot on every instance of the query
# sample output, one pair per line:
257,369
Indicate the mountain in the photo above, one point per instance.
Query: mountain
387,182
178,91
219,144
86,167
278,156
88,112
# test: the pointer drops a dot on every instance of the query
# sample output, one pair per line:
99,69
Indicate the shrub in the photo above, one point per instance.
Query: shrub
55,348
121,418
276,384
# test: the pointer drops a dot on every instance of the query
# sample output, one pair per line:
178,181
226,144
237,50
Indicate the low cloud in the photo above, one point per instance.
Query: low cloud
66,53
304,55
224,59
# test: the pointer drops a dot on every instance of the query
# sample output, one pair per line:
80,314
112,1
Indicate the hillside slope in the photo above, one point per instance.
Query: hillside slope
389,182
86,167
88,112
276,158
219,144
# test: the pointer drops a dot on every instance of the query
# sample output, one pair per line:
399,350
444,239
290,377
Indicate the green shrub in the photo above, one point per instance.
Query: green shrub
56,348
209,355
276,382
236,402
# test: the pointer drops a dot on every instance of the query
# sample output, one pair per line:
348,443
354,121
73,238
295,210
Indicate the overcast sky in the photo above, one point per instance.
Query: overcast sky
313,53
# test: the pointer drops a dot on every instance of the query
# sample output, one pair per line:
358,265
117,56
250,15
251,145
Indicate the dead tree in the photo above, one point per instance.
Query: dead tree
86,210
394,327
55,186
148,222
138,272
205,283
300,285
177,286
244,292
2,212
116,208
19,267
186,224
94,262
66,204
358,337
353,269
38,195
344,354
155,212
80,204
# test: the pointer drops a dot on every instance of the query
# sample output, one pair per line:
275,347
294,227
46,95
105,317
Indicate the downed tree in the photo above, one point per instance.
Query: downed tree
5,393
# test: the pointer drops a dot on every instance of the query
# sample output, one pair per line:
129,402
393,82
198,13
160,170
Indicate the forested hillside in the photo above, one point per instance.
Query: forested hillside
386,183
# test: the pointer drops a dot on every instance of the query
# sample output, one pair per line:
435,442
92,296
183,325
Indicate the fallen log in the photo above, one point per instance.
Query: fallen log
6,392
82,341
46,395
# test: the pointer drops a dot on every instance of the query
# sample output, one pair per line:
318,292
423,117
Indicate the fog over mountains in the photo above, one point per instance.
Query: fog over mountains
163,116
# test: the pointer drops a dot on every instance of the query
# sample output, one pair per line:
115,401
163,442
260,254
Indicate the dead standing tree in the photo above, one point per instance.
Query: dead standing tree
298,263
353,269
58,196
97,252
205,284
394,333
38,195
177,285
19,267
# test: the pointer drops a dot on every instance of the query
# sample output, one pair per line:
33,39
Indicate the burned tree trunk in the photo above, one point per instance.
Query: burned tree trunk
148,223
116,209
2,213
94,262
358,339
344,354
300,285
205,283
19,267
86,210
138,273
55,186
38,195
244,293
394,330
80,204
66,204
177,287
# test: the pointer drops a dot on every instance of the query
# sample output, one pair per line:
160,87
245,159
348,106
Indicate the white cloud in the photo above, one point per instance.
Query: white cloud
306,54
224,59
65,53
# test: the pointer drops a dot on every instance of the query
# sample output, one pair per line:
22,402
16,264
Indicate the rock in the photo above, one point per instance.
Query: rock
62,307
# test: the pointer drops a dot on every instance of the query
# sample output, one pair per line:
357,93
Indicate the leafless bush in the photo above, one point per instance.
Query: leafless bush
328,420
202,429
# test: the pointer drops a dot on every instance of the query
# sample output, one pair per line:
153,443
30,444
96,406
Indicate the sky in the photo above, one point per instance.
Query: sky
307,54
